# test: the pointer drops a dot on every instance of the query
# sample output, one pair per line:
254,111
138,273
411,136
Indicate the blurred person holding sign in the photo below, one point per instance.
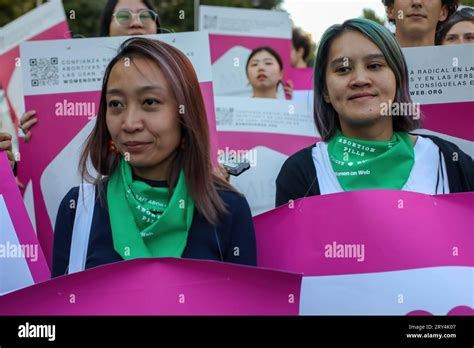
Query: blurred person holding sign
458,29
361,79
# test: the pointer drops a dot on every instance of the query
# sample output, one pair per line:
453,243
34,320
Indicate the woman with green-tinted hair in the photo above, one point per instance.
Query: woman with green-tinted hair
365,116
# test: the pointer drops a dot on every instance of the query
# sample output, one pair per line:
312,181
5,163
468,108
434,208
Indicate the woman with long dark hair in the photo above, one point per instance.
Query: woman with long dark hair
6,145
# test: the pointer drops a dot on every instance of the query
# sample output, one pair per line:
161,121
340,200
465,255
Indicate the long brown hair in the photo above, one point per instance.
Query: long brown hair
193,156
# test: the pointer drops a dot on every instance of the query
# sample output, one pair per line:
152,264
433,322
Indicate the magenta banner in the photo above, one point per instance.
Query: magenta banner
375,252
161,287
22,262
367,231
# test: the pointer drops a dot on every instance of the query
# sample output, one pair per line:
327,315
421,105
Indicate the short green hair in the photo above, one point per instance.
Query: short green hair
325,116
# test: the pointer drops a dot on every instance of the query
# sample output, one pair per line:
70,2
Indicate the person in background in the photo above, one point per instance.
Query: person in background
457,29
155,193
6,139
416,21
300,48
264,70
119,18
360,71
129,17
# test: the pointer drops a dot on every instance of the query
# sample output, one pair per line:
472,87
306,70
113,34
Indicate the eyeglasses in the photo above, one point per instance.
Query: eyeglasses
125,17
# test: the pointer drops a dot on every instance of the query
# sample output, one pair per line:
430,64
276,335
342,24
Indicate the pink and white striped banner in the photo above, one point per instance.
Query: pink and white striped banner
22,262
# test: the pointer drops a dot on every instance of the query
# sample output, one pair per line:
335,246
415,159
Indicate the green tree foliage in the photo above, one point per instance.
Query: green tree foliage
11,9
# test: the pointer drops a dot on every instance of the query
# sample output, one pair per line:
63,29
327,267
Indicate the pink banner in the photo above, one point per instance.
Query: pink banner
208,96
367,231
440,79
62,129
285,144
375,252
51,135
302,78
161,287
22,227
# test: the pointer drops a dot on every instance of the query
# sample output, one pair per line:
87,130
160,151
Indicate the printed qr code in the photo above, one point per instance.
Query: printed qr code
44,71
210,22
224,116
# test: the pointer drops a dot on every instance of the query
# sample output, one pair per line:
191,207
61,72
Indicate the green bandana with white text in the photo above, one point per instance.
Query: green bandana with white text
363,164
145,220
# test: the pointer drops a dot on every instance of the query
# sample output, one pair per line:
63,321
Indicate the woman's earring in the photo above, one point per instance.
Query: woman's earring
112,147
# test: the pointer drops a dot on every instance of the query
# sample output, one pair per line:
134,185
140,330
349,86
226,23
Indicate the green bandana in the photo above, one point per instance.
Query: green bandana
145,221
362,164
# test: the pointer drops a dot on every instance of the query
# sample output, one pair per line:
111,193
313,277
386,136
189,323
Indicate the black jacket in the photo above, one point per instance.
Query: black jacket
297,177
